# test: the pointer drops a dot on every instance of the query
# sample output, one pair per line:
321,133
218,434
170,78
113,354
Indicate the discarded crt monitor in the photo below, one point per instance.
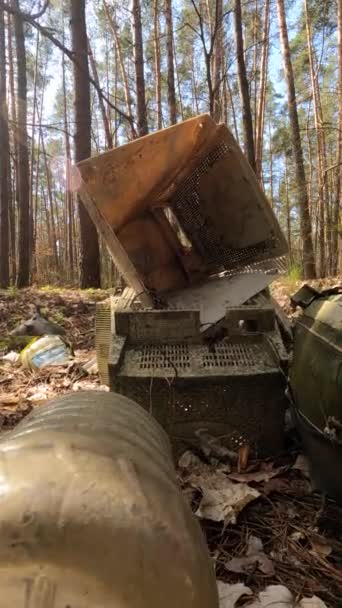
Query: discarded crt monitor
316,384
193,235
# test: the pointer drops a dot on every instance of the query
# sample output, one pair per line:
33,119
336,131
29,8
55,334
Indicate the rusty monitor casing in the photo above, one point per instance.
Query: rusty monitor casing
193,236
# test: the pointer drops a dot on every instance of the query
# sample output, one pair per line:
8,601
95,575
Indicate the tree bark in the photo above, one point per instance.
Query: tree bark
288,211
337,197
53,218
179,90
4,161
139,70
303,201
12,182
33,162
260,119
243,87
106,126
156,27
218,62
89,244
69,210
23,277
171,91
113,27
321,154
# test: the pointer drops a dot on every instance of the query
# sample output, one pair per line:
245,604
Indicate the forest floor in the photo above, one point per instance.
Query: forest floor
297,540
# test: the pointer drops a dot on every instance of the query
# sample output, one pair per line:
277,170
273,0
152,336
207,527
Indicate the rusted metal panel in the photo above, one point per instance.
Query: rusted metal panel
196,172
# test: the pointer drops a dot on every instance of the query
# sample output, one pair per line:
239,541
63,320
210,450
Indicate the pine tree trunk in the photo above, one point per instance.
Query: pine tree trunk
194,86
4,161
23,277
303,201
288,211
271,164
108,134
260,118
243,87
337,197
89,244
54,237
171,91
33,132
156,27
113,27
218,62
12,182
232,105
321,154
179,90
139,70
69,210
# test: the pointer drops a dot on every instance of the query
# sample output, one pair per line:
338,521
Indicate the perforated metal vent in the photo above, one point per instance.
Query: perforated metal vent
231,355
199,228
169,356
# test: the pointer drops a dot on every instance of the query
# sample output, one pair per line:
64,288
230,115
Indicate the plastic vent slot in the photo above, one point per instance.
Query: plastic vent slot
169,356
232,355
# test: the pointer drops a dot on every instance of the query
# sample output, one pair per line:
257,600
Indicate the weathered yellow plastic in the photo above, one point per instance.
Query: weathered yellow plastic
91,514
131,191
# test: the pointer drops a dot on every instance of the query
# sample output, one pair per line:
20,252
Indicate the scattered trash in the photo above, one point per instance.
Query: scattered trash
90,367
189,460
266,473
254,558
211,446
46,351
37,325
302,464
312,602
320,546
244,451
229,595
222,499
9,400
39,394
274,596
11,357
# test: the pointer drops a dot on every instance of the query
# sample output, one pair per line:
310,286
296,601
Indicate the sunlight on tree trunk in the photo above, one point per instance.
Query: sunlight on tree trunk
4,164
89,245
303,201
244,89
23,277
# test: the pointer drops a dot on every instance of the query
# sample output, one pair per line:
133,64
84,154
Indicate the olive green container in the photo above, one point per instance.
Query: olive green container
316,385
91,514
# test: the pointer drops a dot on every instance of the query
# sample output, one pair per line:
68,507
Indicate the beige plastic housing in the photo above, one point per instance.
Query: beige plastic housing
91,513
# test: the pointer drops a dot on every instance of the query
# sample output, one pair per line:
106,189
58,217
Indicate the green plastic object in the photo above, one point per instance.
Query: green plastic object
316,387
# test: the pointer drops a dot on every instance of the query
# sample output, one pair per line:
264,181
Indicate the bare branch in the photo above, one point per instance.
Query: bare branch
41,12
47,33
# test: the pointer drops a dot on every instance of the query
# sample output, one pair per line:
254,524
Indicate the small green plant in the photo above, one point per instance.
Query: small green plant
293,276
58,316
9,291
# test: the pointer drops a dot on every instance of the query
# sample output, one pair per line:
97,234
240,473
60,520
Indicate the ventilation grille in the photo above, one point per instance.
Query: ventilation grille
231,355
201,231
102,338
170,356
